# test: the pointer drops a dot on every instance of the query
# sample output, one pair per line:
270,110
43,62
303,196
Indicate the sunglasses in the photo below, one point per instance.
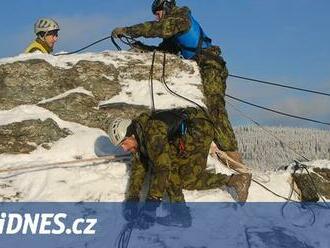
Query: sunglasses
53,33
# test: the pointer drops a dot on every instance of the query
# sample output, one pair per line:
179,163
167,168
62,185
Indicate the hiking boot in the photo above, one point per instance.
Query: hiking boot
179,216
240,184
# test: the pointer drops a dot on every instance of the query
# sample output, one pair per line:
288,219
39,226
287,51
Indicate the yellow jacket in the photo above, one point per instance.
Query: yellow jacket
38,45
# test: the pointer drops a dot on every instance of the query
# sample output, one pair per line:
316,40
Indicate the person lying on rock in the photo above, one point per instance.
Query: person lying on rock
183,35
46,30
174,145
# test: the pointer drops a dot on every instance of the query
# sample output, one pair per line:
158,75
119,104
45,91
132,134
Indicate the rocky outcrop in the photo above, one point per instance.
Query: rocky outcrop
84,110
73,87
25,136
31,81
314,184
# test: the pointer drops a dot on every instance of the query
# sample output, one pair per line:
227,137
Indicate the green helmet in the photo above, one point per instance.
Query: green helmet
165,5
118,129
45,25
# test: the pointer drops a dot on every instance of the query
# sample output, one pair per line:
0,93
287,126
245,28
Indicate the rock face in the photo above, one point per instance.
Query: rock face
25,136
29,82
33,81
73,87
312,185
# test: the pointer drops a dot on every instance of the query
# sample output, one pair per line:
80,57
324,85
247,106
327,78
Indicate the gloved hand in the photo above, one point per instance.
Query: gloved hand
131,209
138,44
118,32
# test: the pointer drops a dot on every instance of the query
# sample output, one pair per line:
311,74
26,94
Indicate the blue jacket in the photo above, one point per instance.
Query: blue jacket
192,41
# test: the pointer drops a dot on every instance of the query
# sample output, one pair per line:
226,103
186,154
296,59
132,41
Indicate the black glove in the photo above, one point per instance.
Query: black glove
143,47
138,44
131,209
118,32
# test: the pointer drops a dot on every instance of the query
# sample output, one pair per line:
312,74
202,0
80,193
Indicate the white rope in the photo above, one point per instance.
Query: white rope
72,163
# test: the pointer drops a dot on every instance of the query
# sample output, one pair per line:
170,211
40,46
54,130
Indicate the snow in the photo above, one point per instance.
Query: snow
68,61
107,182
133,93
61,96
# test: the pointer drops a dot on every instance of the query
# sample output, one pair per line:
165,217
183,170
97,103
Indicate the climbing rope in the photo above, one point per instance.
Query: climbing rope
151,77
124,39
267,131
84,48
278,85
66,164
278,112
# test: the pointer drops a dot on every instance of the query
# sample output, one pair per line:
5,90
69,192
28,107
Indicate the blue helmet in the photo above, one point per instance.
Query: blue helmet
165,5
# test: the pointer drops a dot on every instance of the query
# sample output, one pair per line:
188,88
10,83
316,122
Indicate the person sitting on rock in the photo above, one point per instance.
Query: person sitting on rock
183,35
46,30
174,145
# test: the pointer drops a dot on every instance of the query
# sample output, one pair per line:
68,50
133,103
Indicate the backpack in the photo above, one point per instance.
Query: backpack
176,121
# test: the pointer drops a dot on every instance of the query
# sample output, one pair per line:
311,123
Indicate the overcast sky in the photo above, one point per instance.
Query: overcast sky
275,40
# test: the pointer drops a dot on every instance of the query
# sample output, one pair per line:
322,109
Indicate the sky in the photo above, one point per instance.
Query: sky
285,41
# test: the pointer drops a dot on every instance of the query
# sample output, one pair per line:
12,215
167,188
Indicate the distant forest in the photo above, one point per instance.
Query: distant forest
262,151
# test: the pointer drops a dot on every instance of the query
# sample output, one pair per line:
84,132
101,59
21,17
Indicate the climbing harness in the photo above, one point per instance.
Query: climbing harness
190,46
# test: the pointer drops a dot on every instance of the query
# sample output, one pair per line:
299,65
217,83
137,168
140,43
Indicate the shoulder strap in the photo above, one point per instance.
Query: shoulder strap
198,49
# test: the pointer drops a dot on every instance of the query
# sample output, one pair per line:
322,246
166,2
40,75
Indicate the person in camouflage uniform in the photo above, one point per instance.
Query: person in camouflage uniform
173,168
172,24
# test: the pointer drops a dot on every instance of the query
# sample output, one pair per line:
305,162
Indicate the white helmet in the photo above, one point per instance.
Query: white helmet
45,25
117,130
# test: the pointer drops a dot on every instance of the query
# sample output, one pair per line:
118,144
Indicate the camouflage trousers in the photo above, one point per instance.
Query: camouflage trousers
214,74
188,172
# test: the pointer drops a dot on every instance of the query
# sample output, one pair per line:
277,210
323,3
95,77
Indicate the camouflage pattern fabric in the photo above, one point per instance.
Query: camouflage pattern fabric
170,172
212,68
214,74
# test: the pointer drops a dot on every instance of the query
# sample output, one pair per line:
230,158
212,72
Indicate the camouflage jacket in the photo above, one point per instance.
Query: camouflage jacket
176,22
155,150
